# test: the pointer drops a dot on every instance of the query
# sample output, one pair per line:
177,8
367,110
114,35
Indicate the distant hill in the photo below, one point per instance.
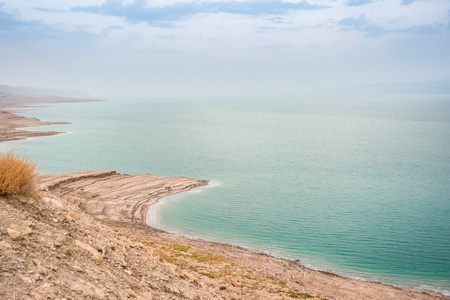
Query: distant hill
6,89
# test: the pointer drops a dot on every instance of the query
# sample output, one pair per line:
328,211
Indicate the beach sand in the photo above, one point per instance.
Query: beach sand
120,202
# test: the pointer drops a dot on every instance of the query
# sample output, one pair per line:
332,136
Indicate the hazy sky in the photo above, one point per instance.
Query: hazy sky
223,48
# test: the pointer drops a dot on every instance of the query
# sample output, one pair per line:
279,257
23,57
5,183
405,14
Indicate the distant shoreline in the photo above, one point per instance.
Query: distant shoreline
10,122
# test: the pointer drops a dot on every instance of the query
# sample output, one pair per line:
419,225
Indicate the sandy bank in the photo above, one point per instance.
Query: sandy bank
107,195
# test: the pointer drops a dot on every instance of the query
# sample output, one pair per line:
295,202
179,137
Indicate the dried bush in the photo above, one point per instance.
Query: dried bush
17,173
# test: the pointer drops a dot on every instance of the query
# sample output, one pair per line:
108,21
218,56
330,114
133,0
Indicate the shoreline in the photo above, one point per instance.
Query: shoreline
108,195
118,200
11,123
132,219
383,280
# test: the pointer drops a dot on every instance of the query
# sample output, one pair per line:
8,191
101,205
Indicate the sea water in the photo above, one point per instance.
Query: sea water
359,187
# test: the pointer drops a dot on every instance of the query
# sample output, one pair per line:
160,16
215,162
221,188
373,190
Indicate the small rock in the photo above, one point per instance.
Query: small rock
14,234
128,272
41,270
4,244
66,250
53,268
72,217
97,247
59,242
189,276
234,282
22,229
173,289
78,269
123,263
36,262
36,277
26,279
95,255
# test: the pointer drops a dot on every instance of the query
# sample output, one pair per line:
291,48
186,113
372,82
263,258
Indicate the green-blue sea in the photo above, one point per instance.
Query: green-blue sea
357,186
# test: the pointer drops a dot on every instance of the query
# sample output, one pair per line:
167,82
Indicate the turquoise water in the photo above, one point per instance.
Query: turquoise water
359,187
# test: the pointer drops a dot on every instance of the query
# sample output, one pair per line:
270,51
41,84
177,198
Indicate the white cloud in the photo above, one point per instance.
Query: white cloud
267,45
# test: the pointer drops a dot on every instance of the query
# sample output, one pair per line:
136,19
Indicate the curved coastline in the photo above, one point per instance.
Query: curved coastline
383,280
118,200
109,202
151,206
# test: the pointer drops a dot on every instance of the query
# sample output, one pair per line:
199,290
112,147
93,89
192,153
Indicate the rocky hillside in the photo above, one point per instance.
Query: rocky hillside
51,249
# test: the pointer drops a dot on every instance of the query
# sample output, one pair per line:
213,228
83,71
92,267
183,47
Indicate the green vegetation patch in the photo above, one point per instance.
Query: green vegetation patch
206,257
181,248
164,256
210,275
300,295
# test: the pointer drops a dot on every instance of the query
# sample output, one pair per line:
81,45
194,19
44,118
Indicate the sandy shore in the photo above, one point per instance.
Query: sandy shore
120,202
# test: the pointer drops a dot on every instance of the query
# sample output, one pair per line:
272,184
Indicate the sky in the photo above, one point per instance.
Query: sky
186,48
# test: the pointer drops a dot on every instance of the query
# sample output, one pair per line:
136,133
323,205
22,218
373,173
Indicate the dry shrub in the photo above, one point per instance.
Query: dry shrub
17,173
